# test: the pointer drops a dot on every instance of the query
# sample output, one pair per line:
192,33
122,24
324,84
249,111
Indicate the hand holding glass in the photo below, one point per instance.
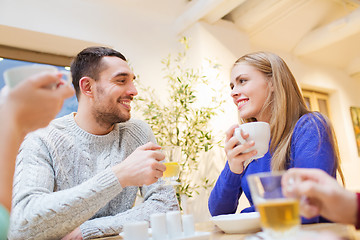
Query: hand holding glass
279,215
172,159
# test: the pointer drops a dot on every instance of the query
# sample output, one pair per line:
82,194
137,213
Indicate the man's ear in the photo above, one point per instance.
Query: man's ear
86,85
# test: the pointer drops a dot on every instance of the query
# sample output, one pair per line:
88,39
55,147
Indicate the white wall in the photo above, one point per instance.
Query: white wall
222,43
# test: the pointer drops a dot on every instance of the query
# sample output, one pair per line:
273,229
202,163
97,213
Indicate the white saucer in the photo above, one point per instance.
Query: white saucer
238,223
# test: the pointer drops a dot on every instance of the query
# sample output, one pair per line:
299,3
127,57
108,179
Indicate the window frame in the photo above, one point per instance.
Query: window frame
34,56
314,96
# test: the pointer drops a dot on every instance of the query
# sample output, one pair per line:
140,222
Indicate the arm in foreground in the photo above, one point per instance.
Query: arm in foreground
28,106
321,195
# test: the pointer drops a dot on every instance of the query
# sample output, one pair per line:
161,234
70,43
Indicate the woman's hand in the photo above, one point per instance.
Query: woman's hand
235,151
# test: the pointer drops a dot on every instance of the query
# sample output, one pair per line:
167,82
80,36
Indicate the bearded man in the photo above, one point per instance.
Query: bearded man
78,178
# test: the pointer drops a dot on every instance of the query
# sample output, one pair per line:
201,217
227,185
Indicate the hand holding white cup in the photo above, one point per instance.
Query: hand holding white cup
259,132
14,76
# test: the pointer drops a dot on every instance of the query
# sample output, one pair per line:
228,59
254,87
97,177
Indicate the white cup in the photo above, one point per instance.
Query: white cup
158,226
259,132
188,225
136,231
173,224
14,76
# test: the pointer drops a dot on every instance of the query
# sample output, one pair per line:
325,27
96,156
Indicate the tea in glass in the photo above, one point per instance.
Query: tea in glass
172,159
172,170
279,215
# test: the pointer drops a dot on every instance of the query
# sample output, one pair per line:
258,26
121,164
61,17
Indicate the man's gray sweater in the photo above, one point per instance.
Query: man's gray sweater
63,180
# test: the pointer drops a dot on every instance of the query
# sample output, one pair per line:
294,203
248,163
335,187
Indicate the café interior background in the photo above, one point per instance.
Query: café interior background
319,39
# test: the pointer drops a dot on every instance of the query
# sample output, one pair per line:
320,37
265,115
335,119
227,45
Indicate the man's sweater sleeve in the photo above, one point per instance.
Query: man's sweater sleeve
40,213
224,197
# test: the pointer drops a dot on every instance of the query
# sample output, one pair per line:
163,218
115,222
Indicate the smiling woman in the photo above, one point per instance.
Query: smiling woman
264,89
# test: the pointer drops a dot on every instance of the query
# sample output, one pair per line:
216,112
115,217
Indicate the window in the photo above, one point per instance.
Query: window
13,57
317,101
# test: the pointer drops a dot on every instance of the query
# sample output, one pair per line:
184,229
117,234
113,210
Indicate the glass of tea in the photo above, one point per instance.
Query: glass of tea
172,160
279,215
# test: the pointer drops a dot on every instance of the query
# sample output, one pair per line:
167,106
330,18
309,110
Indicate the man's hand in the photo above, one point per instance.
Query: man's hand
142,167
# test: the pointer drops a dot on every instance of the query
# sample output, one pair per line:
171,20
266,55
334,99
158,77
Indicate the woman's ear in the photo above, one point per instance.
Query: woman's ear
271,85
86,86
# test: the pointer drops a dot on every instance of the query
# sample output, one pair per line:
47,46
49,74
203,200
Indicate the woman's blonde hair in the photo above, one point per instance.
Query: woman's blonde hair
286,105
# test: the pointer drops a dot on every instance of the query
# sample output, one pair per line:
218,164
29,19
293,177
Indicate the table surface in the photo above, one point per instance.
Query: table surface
345,232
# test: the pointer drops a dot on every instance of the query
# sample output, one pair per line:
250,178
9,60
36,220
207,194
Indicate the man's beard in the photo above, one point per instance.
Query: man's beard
109,118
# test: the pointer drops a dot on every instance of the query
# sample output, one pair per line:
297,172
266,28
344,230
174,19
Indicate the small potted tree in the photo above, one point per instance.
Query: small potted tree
181,122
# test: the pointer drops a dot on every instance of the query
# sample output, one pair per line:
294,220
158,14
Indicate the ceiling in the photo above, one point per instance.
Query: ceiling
322,31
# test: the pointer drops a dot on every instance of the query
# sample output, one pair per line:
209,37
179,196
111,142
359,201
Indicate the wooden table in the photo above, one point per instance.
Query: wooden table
345,232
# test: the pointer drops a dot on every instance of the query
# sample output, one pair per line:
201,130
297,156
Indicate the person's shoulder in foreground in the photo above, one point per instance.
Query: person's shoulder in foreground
4,222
